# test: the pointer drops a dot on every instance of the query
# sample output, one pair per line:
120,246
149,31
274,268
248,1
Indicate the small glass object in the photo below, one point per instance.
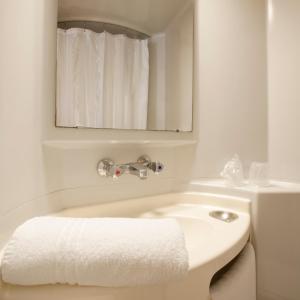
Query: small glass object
233,172
259,174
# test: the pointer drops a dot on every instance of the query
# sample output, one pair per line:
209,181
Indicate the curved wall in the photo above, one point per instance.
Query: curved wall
26,82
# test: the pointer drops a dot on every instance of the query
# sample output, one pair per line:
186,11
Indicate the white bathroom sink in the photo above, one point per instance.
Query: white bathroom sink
211,243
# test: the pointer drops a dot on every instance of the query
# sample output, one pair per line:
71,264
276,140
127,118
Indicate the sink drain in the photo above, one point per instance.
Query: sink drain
224,216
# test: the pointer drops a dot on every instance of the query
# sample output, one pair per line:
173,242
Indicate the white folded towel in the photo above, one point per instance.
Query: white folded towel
108,252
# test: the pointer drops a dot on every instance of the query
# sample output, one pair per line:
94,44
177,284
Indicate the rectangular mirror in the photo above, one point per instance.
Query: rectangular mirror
125,64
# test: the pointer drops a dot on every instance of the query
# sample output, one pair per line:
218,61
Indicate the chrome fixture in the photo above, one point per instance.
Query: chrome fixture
224,216
107,167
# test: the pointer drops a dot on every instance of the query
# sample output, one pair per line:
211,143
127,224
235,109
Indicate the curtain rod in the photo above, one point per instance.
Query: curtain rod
103,26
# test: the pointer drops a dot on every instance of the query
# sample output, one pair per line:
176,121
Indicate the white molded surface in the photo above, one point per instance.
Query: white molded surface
211,244
88,144
275,234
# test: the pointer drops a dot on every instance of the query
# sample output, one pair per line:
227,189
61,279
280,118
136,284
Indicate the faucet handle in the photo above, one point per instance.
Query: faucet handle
156,166
144,160
105,167
116,172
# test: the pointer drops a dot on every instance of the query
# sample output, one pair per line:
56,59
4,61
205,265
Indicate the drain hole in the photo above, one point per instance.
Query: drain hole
224,216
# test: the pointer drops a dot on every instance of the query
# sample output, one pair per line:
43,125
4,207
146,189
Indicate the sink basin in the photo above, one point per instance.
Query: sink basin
211,244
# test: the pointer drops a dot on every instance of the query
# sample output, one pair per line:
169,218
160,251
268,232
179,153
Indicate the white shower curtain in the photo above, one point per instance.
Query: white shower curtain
102,80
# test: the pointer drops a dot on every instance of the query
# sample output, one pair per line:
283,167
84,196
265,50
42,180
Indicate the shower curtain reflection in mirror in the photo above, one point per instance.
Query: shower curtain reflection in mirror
102,80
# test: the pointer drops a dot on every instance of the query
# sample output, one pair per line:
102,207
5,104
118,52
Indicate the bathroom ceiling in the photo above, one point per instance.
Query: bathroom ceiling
149,16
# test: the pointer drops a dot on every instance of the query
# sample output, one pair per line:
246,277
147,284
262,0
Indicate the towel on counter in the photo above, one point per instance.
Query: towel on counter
107,252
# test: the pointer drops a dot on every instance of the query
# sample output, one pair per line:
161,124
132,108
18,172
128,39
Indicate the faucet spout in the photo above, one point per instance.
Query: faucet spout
138,170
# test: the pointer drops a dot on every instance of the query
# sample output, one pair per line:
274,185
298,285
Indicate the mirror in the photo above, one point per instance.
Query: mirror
125,64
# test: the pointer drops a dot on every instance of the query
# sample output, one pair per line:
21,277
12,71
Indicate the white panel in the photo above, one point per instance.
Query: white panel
276,235
284,89
26,82
27,59
231,110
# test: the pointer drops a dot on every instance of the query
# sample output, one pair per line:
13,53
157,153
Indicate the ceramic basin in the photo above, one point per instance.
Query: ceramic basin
211,244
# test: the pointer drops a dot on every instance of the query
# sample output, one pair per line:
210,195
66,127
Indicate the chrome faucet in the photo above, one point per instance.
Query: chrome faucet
107,167
138,170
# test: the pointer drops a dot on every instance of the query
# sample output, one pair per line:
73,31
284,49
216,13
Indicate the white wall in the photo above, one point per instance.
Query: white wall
82,185
232,109
171,74
157,82
284,89
26,32
179,71
276,223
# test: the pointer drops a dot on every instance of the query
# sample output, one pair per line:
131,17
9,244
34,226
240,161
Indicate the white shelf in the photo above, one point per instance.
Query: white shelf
87,144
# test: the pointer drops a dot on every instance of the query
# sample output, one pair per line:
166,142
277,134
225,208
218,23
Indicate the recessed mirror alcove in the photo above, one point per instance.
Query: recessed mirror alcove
125,64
